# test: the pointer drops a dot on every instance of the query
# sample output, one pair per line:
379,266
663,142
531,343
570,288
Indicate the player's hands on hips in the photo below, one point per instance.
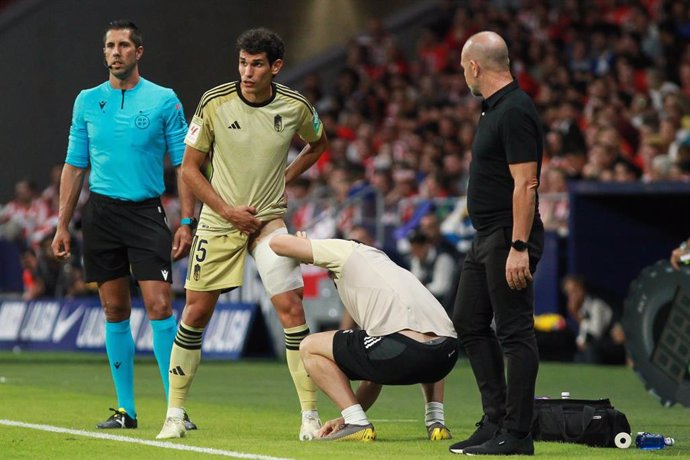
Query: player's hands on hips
518,274
62,244
182,242
330,426
243,217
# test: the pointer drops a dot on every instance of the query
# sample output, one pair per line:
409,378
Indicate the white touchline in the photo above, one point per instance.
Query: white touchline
164,445
394,420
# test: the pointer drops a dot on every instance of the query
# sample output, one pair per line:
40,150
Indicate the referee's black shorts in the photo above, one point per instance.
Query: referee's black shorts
120,236
393,359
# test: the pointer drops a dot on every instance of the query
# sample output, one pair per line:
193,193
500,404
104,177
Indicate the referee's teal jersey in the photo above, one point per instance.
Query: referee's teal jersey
124,135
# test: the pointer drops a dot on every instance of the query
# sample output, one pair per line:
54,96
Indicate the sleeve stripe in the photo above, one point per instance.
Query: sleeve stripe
294,95
222,90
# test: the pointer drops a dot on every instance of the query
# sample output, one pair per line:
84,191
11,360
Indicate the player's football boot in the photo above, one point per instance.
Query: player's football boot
174,427
120,419
311,424
437,431
350,432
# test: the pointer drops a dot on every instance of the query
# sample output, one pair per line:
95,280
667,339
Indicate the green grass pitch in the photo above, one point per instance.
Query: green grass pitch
250,408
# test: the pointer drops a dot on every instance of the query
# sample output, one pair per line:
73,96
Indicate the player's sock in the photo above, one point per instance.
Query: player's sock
163,338
184,361
306,389
354,415
119,345
433,413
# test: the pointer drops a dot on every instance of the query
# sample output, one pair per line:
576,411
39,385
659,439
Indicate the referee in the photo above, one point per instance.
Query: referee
496,279
122,130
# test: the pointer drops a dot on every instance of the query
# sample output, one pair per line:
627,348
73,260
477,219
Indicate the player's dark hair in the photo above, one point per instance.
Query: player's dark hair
122,24
262,40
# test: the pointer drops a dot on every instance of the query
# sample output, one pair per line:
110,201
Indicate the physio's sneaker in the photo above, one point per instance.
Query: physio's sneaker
485,431
188,424
311,424
503,444
174,427
437,431
349,432
120,419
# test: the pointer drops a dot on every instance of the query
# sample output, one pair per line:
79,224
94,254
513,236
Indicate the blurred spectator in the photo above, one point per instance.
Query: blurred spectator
599,338
45,276
25,219
435,263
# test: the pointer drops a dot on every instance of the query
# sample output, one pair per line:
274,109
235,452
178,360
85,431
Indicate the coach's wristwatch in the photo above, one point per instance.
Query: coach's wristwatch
519,245
191,221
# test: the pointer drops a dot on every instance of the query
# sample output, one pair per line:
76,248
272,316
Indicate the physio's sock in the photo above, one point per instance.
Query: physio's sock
119,345
184,361
306,389
163,337
354,415
433,412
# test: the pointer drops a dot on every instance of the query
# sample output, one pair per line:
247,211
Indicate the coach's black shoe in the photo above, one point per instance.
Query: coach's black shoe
188,424
503,444
485,431
120,419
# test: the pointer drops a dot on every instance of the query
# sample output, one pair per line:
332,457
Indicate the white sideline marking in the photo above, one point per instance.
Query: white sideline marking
395,420
161,444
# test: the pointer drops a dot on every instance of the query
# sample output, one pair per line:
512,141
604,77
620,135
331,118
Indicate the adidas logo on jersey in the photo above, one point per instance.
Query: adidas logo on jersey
235,125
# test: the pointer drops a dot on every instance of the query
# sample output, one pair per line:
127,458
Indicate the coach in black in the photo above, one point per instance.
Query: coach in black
496,280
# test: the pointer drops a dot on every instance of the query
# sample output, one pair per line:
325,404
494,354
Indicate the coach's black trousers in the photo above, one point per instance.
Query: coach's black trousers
484,295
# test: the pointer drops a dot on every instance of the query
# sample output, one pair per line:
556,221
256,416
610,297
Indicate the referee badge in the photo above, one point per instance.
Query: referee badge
278,123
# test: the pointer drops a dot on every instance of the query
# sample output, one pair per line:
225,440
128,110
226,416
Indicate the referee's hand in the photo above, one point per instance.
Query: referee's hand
62,244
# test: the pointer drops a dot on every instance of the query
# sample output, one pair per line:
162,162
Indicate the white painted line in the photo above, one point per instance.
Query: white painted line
161,444
394,420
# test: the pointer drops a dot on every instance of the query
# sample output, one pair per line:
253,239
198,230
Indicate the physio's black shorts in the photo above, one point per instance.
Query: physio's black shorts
393,359
119,235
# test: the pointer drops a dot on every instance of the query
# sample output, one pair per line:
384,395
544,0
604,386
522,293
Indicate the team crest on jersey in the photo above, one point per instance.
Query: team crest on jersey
142,121
197,272
278,123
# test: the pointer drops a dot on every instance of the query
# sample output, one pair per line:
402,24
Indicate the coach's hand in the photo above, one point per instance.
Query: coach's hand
331,426
182,242
518,274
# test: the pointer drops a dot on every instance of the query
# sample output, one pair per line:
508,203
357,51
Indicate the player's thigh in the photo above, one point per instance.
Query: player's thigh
278,274
216,261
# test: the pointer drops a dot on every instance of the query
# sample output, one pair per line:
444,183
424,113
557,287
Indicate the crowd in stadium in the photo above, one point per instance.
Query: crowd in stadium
611,81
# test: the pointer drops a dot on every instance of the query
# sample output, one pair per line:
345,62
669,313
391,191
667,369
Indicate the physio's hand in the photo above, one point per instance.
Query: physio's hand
517,269
330,426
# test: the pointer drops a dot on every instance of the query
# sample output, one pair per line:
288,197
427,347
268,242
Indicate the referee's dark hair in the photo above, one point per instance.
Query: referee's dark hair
262,40
121,24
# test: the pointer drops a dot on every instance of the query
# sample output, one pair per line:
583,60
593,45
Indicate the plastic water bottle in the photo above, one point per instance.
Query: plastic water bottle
565,395
651,441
